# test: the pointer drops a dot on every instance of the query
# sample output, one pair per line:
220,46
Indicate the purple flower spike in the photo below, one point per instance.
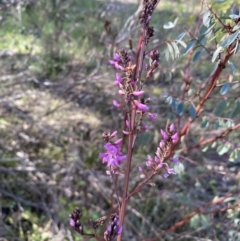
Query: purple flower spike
141,106
116,104
138,93
175,138
140,169
152,116
164,134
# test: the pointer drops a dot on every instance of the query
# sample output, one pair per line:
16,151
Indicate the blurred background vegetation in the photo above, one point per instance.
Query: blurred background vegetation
55,102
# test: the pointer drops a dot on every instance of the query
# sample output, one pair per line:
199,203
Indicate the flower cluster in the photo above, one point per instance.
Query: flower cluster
168,138
145,17
75,220
148,8
154,55
113,229
113,155
120,61
128,88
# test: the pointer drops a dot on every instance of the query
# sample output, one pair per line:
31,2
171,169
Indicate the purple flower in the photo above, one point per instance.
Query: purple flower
156,159
116,104
116,62
121,92
149,162
141,106
113,156
113,134
162,144
118,141
174,138
175,159
164,134
118,79
138,93
113,229
119,230
116,57
165,175
170,170
145,128
172,128
140,169
127,123
72,222
118,66
159,166
152,116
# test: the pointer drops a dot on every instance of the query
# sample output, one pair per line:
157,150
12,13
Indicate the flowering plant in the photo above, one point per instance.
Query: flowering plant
131,77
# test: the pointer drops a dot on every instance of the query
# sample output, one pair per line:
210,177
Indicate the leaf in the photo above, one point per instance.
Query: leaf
166,54
170,25
236,27
169,100
222,149
215,66
192,111
206,18
234,16
214,144
229,124
216,53
236,109
234,156
217,125
225,89
171,51
176,50
199,220
220,108
205,149
236,48
205,123
174,105
182,43
190,45
180,108
233,68
197,55
230,39
180,36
